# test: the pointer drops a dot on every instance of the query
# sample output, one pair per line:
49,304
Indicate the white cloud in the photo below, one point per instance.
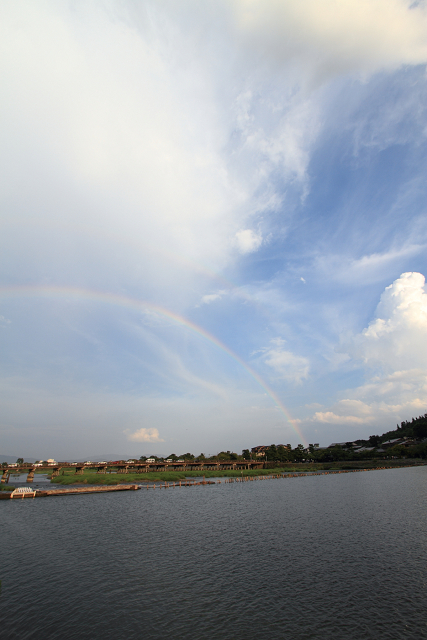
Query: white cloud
395,346
378,260
106,106
248,241
368,268
4,321
381,402
397,339
119,109
286,364
278,138
332,418
212,297
335,37
345,411
144,435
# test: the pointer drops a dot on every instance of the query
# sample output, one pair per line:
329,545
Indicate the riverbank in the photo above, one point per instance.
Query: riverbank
153,476
71,478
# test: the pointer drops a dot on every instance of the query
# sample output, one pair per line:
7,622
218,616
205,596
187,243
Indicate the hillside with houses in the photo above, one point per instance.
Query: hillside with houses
409,440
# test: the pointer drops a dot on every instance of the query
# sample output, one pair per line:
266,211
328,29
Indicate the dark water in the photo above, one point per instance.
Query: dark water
327,557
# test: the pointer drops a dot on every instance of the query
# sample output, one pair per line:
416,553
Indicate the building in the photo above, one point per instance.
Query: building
259,451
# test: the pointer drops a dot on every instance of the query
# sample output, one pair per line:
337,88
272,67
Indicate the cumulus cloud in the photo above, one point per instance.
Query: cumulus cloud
346,411
286,364
145,435
248,241
397,338
395,346
381,401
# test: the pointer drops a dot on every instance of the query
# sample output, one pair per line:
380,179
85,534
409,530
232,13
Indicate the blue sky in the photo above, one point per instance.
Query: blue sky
213,224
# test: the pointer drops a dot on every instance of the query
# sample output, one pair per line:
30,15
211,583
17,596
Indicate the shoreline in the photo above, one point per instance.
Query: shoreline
189,482
170,476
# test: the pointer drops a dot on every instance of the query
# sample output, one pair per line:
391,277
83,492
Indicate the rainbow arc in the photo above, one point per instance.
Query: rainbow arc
133,303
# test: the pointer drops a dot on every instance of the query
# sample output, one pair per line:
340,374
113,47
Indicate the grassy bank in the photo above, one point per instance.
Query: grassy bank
70,477
154,476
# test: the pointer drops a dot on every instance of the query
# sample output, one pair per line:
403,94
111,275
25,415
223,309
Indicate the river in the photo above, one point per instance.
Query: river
320,557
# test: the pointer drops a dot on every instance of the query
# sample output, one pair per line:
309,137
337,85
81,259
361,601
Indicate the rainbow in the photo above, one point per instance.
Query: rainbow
133,303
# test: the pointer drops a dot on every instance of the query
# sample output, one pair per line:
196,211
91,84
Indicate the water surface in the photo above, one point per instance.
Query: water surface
335,556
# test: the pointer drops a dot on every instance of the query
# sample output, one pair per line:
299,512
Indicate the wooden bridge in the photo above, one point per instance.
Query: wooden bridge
128,467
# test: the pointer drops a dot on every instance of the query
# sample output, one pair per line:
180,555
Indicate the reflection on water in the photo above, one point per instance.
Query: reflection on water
338,556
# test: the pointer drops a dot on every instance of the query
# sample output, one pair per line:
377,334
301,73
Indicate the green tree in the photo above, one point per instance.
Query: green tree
246,454
272,453
282,453
298,453
20,461
187,456
419,428
398,451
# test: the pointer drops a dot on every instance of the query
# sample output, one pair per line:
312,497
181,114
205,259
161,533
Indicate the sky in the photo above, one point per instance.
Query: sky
213,223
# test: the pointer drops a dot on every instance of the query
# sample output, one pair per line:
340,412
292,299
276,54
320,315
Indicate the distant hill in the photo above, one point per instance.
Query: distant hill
106,457
417,428
10,459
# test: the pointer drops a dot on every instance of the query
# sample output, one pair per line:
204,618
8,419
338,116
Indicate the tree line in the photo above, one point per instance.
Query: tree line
416,428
